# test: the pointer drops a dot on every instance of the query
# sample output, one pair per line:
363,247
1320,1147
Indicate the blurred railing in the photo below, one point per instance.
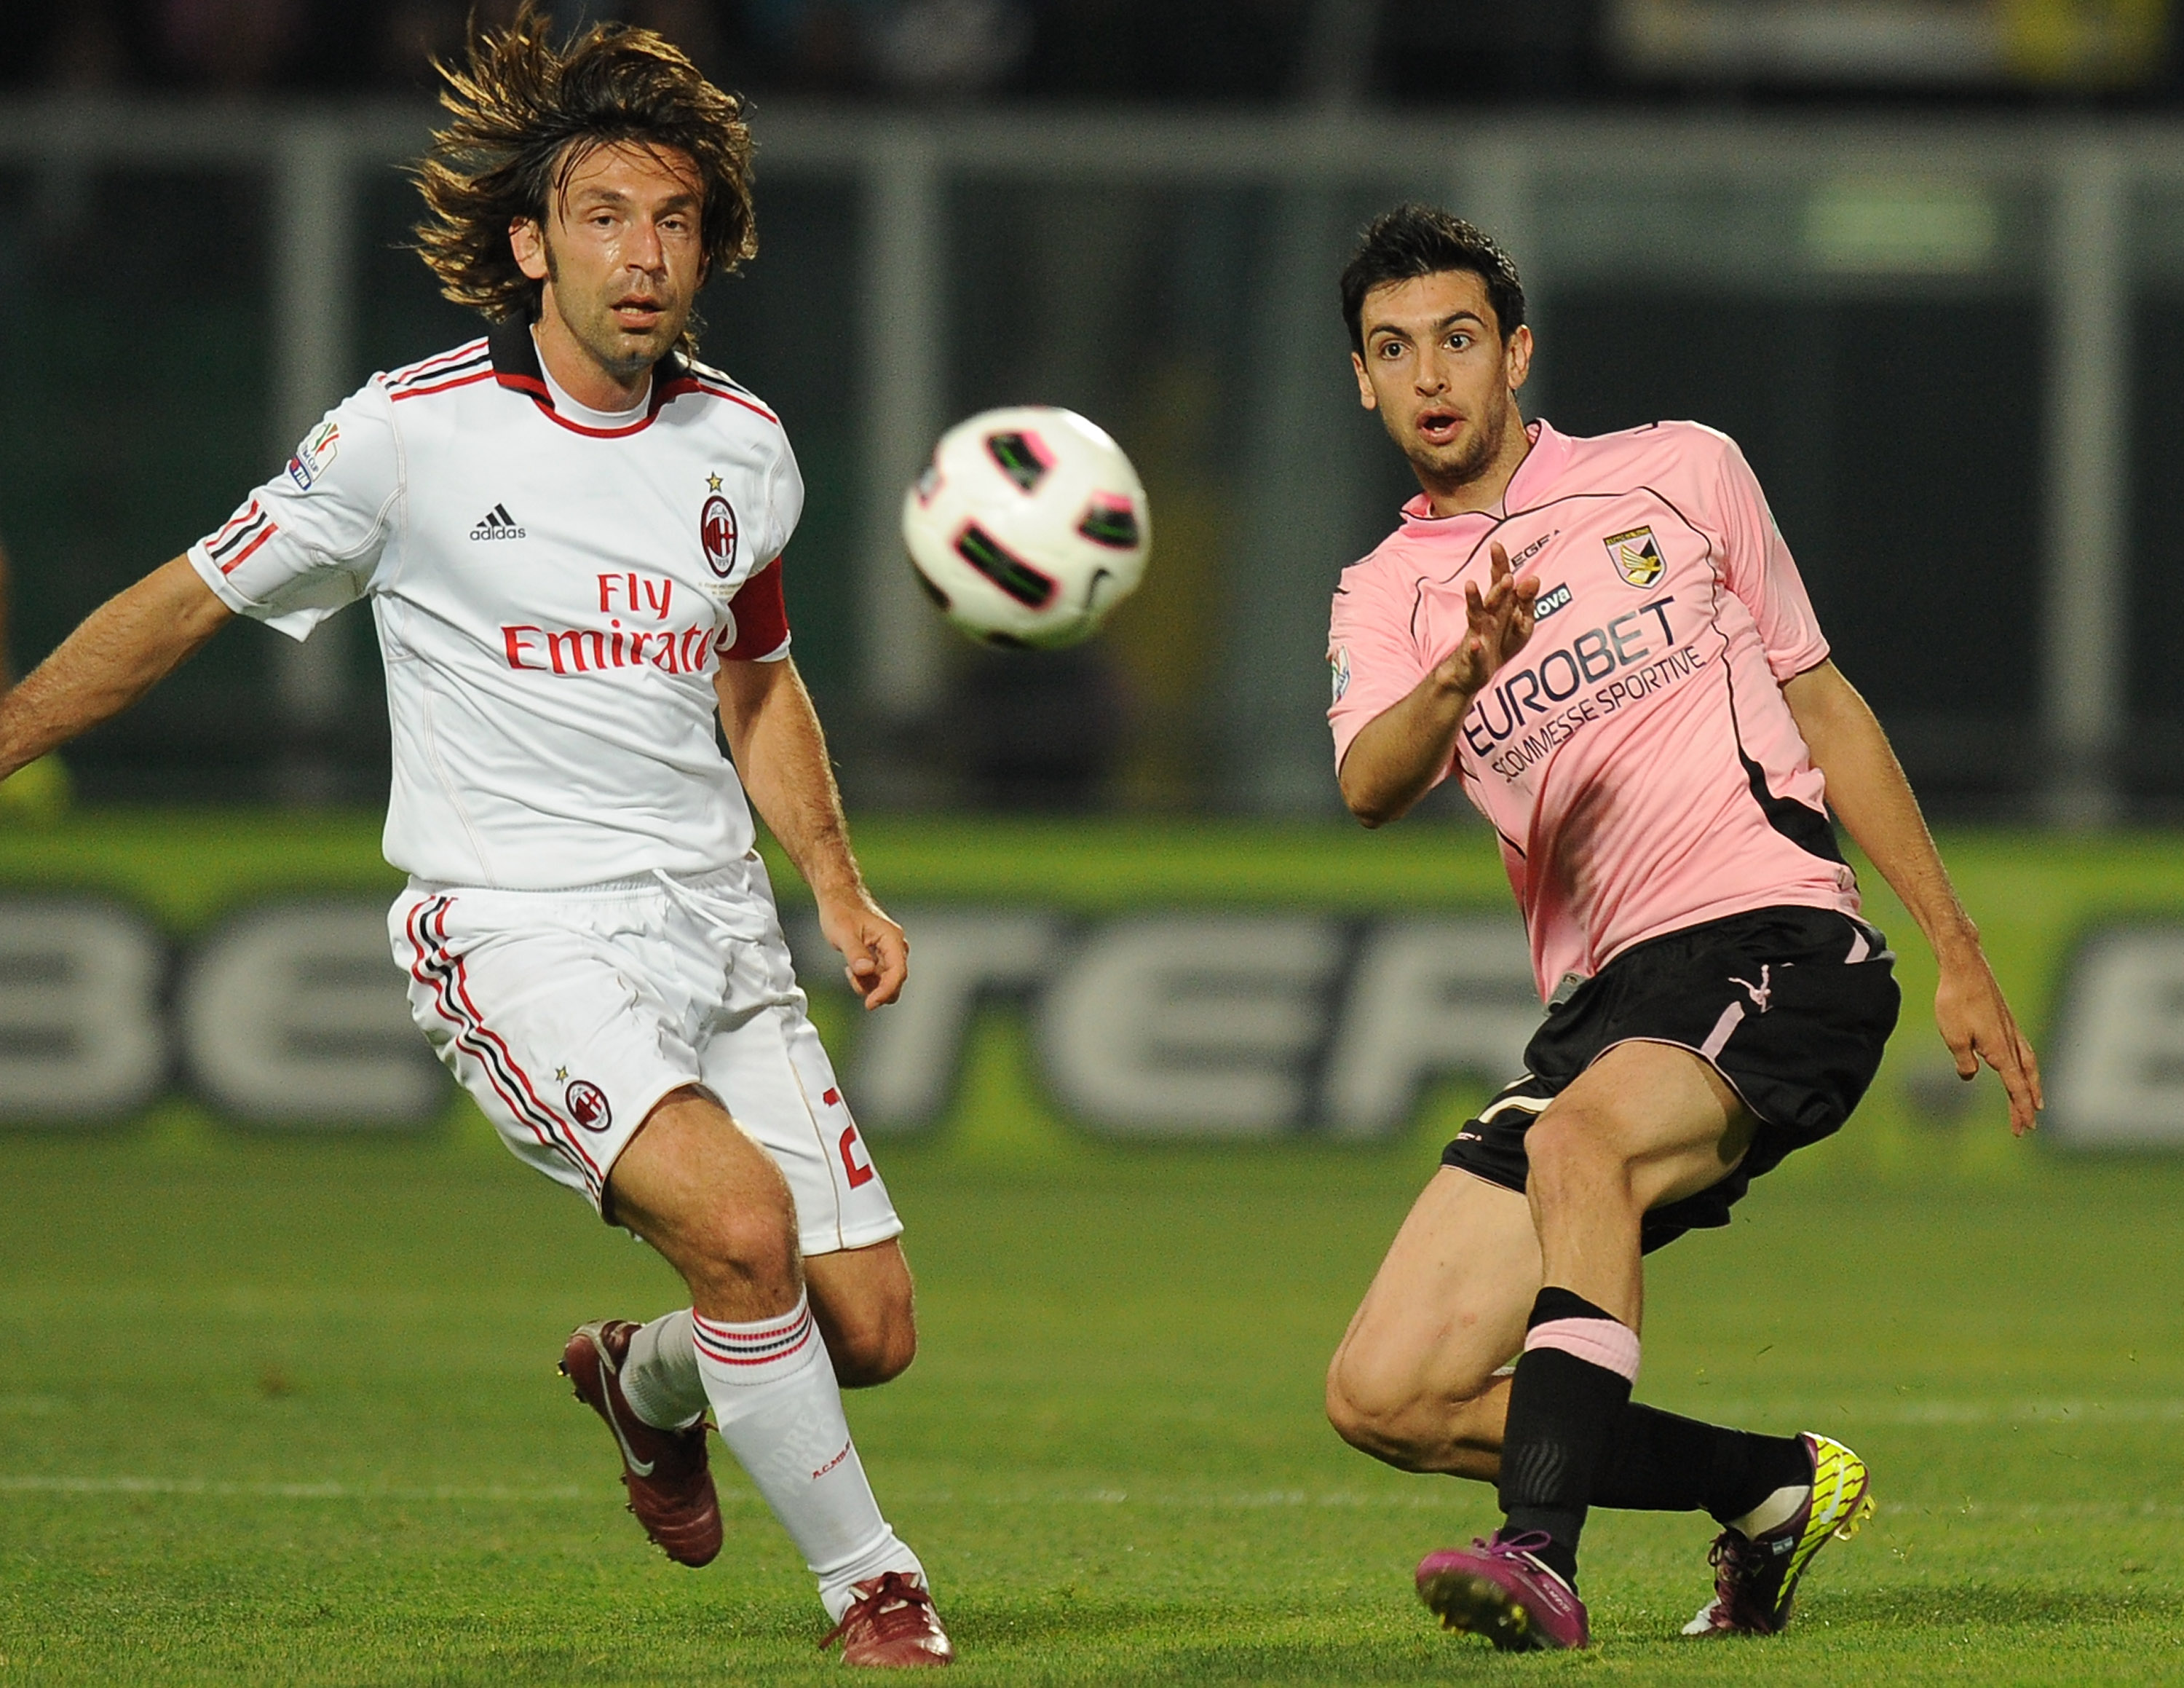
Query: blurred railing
2071,220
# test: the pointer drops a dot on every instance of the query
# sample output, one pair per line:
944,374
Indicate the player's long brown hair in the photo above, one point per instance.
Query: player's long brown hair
525,110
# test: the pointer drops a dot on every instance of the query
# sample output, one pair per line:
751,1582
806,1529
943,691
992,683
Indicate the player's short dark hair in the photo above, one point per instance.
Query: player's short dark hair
1416,240
525,110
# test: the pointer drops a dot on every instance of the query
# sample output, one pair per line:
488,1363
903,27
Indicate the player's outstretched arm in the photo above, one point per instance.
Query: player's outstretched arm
123,649
1868,793
781,755
1395,758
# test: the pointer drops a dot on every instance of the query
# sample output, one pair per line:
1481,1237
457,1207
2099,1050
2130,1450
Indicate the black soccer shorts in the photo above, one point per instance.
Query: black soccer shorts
1792,1006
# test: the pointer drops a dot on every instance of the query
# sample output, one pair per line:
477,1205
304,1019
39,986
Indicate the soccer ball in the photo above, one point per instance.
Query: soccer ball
1028,527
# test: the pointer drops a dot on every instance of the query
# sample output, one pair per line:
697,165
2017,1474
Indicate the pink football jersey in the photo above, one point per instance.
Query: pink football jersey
1637,757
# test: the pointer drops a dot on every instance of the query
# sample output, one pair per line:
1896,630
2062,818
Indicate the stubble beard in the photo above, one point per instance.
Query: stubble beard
1444,474
599,331
624,354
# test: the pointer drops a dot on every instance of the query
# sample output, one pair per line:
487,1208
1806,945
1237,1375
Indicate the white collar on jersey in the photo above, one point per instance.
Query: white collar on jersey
569,407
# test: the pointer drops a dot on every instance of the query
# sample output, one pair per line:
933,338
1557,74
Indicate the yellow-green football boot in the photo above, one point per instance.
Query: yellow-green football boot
1755,1577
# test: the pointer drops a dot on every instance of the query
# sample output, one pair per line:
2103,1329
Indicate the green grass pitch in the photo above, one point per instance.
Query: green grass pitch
283,1411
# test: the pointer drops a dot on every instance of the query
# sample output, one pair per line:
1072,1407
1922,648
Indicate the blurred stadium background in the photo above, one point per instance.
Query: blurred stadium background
1924,259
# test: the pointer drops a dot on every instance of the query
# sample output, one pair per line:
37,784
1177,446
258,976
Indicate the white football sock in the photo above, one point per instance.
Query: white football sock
780,1412
1772,1513
659,1374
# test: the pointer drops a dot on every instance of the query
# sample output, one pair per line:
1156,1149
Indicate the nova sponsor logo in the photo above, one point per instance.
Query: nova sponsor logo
1554,599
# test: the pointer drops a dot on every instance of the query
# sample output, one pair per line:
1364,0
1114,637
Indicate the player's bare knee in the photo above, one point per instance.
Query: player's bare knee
1365,1425
1362,1425
1405,1440
1572,1149
877,1352
751,1250
1376,1414
1342,1412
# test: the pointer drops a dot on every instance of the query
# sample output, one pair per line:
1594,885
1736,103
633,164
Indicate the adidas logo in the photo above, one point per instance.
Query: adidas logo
497,525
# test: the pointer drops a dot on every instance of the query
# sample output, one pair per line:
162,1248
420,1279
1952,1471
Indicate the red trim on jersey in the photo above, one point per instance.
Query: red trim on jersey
761,617
540,396
691,383
249,512
485,374
516,366
244,555
461,355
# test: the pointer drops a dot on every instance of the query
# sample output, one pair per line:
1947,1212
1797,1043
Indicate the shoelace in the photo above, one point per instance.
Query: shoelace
895,1609
1734,1560
1530,1542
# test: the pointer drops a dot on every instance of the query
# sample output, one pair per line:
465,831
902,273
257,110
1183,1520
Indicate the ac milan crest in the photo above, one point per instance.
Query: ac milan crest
588,1106
716,531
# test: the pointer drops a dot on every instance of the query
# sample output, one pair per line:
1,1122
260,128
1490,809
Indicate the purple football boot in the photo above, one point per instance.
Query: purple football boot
1500,1589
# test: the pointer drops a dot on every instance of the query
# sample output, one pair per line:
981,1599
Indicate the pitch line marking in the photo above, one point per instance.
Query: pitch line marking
209,1488
1853,1412
283,1491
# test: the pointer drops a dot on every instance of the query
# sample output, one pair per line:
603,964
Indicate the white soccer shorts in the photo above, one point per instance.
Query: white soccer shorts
569,1015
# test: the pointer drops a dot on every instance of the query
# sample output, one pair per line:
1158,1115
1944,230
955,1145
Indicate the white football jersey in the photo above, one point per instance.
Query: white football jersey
553,599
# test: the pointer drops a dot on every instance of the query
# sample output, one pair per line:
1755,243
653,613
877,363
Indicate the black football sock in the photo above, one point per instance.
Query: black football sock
1658,1463
1573,1383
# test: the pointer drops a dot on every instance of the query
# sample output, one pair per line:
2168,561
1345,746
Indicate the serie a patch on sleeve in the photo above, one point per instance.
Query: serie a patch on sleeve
315,454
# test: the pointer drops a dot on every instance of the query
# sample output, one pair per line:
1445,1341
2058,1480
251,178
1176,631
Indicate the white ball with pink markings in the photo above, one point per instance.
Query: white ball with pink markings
1028,527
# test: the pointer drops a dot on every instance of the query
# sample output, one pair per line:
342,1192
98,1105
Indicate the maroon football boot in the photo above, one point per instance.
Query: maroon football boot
891,1625
671,1489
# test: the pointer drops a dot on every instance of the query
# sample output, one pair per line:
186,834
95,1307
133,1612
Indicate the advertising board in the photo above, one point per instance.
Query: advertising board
1177,982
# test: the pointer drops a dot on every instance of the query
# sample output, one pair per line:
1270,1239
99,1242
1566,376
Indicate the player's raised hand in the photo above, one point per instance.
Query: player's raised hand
876,952
1977,1025
1501,620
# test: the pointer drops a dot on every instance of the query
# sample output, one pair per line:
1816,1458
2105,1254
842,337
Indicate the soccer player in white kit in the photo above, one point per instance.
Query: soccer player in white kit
570,533
1607,641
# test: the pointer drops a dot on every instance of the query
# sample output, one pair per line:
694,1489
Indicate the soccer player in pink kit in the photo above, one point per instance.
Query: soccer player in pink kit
1607,642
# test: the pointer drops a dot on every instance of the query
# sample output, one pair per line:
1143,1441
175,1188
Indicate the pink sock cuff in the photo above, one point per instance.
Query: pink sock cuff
763,1344
1605,1343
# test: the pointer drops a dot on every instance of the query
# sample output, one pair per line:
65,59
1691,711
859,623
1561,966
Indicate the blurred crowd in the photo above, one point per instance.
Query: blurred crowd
1198,50
822,47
